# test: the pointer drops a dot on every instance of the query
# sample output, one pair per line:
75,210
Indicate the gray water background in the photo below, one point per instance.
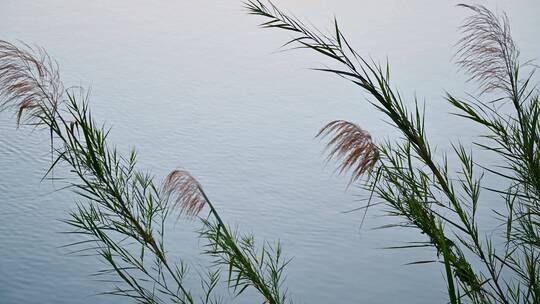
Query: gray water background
196,85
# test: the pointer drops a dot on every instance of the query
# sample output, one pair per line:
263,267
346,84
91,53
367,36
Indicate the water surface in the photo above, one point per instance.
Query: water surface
196,85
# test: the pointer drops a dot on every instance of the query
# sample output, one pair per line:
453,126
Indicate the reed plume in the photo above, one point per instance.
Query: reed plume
29,81
351,145
185,191
487,51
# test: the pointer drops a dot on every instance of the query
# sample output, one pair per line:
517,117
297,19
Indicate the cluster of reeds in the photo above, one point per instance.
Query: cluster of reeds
122,212
421,191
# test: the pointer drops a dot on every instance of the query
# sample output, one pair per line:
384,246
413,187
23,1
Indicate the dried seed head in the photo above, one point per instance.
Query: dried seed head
29,81
352,146
487,51
185,191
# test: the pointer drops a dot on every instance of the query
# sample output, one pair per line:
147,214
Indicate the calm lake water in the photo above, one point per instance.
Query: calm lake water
196,85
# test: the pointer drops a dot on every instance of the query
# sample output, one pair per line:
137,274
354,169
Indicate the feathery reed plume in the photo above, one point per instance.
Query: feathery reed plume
487,51
186,192
29,81
352,145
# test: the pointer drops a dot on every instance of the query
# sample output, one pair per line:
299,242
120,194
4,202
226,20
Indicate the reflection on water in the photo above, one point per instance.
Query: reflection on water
194,84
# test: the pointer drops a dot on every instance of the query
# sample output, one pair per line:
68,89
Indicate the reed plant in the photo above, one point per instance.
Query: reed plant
405,176
121,213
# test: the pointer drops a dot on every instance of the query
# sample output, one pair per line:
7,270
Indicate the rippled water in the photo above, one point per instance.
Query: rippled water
195,84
